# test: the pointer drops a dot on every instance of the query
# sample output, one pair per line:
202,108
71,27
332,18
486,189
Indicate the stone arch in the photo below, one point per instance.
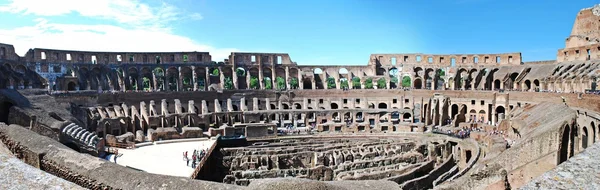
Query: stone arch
159,74
584,137
500,110
453,111
294,81
187,80
527,85
147,80
297,106
594,135
254,80
334,106
71,86
481,116
563,149
406,116
307,84
4,111
382,105
418,83
497,84
536,84
172,76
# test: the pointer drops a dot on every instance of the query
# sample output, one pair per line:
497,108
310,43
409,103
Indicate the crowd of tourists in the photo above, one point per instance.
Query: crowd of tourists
195,158
462,133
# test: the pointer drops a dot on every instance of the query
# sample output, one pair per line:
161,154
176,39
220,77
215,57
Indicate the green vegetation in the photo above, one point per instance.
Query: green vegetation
381,83
406,81
356,83
228,84
294,84
254,83
330,83
280,83
369,83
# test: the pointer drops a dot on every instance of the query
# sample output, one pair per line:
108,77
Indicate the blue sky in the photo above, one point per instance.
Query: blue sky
331,32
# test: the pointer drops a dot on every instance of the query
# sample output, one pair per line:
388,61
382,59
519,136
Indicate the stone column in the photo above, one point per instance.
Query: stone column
260,78
221,78
207,78
248,77
179,80
234,78
165,81
493,111
273,84
154,83
140,82
287,80
194,78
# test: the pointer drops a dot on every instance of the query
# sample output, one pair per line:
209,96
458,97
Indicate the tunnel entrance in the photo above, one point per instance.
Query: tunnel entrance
564,146
4,110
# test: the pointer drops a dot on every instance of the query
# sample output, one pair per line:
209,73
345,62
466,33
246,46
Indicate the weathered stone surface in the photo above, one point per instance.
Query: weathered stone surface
139,136
579,172
127,137
18,175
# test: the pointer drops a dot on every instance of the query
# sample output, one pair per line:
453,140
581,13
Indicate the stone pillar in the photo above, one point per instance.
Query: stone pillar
234,78
261,83
248,77
493,111
268,103
140,83
207,78
194,78
154,81
229,105
243,104
179,80
287,79
217,106
221,78
204,107
507,107
255,104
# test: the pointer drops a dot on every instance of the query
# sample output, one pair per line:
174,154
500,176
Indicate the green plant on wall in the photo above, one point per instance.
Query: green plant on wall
294,84
369,83
228,84
268,84
254,83
330,83
381,83
356,83
406,81
280,83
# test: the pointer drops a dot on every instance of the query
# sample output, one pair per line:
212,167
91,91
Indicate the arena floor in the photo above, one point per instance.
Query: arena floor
166,159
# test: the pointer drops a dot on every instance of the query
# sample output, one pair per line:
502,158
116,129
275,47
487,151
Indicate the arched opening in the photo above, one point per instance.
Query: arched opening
564,146
71,86
496,84
593,132
406,117
334,106
527,85
453,111
418,84
382,106
584,138
306,84
481,116
500,111
4,110
536,85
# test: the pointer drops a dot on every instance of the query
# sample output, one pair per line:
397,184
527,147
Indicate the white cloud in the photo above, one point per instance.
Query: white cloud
139,28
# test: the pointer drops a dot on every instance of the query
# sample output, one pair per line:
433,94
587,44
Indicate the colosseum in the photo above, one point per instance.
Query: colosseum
180,120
